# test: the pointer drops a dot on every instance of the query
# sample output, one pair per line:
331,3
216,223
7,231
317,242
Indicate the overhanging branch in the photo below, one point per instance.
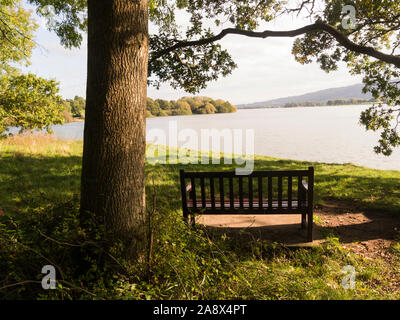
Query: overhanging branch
317,26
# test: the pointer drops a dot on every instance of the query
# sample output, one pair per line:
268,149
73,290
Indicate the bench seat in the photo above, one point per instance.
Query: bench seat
246,204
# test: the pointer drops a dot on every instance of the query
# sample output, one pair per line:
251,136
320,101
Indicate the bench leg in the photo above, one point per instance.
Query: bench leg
310,226
303,220
190,221
186,218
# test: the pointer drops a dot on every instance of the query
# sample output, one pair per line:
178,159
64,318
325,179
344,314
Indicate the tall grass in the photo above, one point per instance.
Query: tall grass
37,144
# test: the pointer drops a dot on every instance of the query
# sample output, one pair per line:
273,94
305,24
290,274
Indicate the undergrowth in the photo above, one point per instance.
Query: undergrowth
185,263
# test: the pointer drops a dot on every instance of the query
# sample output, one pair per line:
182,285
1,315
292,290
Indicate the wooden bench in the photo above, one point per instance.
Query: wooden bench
261,192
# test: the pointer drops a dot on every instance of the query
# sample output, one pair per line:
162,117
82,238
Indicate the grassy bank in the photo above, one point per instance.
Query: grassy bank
37,174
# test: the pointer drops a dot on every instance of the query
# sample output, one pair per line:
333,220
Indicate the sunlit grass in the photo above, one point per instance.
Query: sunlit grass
39,144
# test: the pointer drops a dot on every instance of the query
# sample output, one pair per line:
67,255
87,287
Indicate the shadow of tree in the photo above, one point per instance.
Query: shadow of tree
288,234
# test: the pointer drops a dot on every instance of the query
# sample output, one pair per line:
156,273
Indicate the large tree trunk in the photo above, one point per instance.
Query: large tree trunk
113,188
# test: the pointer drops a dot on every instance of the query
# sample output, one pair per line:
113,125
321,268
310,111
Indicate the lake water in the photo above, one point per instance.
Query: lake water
323,134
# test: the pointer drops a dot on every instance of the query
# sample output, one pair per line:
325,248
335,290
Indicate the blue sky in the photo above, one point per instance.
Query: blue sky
266,68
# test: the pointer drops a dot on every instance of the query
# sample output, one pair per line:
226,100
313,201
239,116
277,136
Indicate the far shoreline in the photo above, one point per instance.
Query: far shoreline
295,107
241,108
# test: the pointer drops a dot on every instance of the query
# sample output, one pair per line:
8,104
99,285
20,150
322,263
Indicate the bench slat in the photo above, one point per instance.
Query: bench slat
212,192
250,191
280,192
241,191
203,191
269,192
290,192
221,191
299,179
194,201
260,192
231,196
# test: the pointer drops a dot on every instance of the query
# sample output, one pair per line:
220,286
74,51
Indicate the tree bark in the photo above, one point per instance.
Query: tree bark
112,185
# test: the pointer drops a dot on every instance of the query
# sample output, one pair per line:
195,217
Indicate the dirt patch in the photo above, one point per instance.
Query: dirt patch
368,233
280,228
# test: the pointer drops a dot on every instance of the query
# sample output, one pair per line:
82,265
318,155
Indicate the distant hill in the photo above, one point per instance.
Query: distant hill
348,92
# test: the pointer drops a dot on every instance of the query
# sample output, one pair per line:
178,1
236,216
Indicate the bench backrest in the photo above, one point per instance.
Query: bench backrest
289,191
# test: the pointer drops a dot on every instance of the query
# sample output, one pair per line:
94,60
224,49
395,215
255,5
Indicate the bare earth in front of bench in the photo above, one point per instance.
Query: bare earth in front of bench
282,228
368,233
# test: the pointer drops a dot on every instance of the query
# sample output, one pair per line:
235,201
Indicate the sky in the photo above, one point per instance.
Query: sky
266,68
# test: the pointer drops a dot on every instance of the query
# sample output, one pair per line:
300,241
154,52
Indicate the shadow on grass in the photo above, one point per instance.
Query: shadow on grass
292,234
287,234
39,181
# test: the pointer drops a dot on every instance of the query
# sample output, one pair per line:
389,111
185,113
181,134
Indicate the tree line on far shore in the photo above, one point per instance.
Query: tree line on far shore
75,108
187,106
31,102
335,102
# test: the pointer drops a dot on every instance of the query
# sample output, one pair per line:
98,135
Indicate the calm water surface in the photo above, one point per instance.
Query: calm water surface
323,134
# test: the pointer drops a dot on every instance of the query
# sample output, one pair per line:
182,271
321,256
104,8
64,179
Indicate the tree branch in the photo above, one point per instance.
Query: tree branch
341,38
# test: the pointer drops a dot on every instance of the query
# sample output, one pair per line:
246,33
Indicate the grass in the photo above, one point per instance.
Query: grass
38,172
37,169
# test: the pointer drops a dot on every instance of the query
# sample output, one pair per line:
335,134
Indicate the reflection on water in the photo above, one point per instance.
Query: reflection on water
324,134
